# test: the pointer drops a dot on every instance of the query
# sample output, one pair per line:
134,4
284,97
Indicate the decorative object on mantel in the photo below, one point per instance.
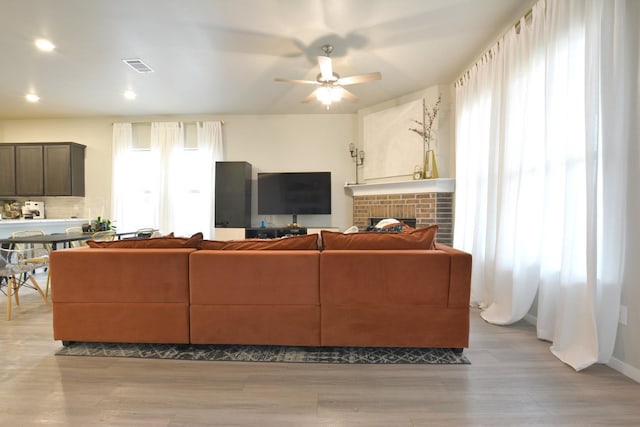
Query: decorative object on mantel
357,156
430,167
418,172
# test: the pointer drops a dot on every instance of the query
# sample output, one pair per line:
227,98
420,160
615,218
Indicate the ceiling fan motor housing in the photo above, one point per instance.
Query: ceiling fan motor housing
334,78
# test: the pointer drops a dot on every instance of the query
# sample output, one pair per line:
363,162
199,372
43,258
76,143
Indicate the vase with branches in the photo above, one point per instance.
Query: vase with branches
424,129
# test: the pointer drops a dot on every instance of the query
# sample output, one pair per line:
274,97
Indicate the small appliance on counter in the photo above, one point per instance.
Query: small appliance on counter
11,210
33,210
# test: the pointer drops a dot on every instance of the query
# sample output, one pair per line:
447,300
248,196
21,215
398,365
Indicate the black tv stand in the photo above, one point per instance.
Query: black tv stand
273,232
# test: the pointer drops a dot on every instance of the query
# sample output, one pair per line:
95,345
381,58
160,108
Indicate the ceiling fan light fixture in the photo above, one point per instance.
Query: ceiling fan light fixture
327,95
330,84
323,94
336,94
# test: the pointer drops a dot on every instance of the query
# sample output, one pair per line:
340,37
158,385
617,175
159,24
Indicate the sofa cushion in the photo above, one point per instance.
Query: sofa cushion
304,242
420,238
151,243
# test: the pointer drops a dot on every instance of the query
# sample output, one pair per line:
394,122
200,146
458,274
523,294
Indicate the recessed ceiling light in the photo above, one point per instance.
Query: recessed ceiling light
129,94
44,45
32,97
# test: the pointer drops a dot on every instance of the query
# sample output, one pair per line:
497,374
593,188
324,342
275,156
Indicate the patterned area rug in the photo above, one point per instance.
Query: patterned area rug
268,353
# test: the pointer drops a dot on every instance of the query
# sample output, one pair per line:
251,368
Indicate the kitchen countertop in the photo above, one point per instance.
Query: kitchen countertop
49,226
41,221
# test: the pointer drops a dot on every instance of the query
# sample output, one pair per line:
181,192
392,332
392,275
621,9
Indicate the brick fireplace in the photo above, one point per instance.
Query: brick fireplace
428,201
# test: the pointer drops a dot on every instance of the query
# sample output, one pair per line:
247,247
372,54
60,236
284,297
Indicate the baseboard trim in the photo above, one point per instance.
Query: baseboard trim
616,364
625,369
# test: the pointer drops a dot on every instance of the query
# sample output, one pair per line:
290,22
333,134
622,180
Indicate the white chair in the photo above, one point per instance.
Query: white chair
145,232
16,266
45,250
77,243
103,236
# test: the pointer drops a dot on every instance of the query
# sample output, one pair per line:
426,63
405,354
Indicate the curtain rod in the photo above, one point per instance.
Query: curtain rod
183,122
516,25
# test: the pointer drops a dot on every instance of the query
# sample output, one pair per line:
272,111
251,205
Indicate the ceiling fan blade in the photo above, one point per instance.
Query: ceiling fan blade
306,82
326,68
359,79
311,96
347,95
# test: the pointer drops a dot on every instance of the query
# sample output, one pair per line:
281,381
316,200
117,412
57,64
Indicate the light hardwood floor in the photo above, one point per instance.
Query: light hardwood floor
513,380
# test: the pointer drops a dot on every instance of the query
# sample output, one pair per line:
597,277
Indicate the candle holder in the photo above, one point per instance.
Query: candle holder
357,157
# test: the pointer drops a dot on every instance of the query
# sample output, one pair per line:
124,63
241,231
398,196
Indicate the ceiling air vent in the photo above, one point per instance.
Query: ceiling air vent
138,65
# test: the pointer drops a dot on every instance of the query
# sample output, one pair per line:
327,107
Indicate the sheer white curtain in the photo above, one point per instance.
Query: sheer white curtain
534,147
122,144
209,136
168,185
167,142
193,181
135,181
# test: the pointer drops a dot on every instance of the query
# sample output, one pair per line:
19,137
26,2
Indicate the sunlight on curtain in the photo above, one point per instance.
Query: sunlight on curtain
194,184
167,140
134,198
122,144
168,186
209,137
532,138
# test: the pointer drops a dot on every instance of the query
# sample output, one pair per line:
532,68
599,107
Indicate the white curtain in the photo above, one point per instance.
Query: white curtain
167,144
122,144
209,137
168,185
538,128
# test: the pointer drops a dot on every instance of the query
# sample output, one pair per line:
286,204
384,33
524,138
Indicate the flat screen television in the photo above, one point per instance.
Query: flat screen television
294,193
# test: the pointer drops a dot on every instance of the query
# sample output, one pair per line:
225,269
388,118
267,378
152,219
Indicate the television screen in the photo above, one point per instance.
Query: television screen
286,193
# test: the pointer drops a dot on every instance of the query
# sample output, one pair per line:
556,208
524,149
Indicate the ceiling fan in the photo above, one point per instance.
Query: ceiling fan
330,83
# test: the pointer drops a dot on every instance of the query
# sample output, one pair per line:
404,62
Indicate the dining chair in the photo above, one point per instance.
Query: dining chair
144,232
77,243
103,236
42,261
16,267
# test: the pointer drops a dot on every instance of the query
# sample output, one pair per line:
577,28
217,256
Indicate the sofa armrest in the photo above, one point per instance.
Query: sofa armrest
460,285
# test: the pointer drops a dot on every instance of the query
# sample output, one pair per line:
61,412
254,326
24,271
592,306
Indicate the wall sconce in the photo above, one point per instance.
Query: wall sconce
357,156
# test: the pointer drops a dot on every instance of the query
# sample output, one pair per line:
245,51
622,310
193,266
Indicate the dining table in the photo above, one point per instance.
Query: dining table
57,238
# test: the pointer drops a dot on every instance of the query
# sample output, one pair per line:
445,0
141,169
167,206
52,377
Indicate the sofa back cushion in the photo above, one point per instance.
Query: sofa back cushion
420,238
254,277
127,276
304,242
151,243
385,277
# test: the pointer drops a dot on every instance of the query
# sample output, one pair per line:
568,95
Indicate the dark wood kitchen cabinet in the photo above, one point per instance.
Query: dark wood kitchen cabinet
64,169
7,170
29,170
42,169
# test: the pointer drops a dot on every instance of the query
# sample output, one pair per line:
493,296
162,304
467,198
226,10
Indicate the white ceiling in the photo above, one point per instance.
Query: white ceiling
221,56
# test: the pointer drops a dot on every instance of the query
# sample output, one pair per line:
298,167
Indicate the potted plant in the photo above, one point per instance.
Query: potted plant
102,224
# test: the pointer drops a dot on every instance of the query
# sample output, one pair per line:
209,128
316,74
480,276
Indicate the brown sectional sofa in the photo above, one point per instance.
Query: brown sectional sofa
121,295
252,295
255,297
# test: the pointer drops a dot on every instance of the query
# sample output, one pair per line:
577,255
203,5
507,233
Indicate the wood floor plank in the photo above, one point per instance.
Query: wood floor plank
513,379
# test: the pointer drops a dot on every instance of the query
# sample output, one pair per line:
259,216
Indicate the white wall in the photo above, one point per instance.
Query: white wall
627,349
296,143
271,143
442,131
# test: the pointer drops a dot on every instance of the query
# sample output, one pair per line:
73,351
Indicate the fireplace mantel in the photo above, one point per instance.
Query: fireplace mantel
437,185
